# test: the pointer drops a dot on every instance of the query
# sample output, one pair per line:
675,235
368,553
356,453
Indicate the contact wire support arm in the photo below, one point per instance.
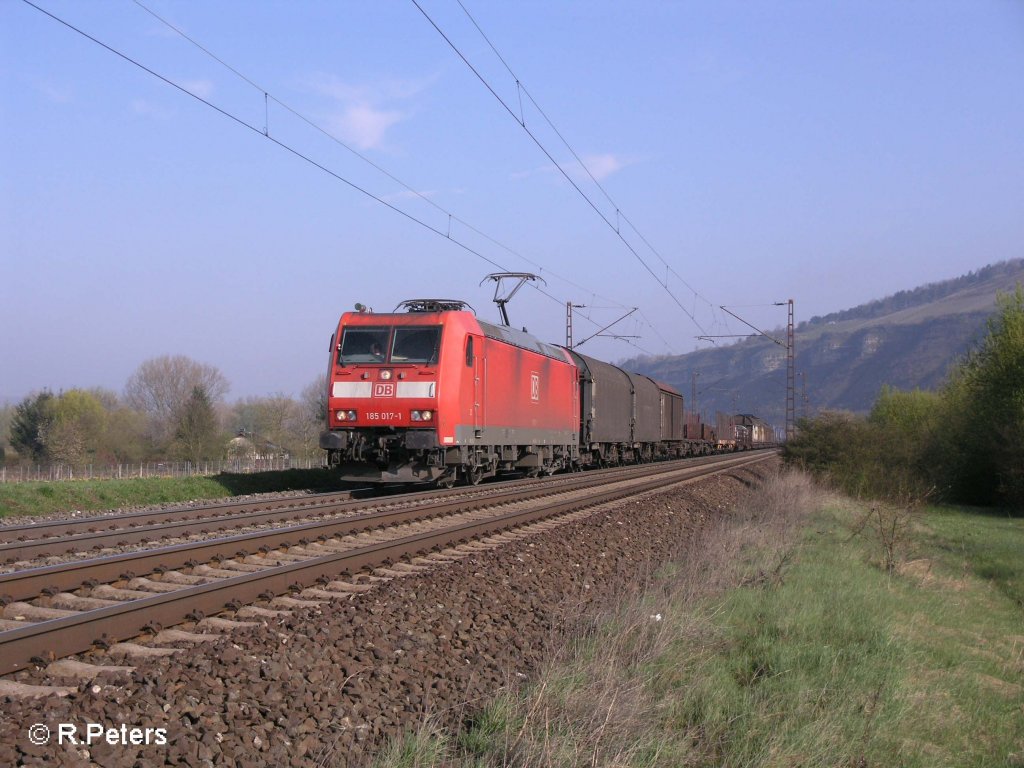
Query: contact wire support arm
613,322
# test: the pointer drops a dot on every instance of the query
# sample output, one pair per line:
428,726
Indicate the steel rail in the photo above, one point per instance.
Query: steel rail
51,529
58,528
12,535
29,583
61,637
140,530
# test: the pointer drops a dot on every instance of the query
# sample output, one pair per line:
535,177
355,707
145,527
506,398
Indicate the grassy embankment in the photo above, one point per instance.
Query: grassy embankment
93,495
785,638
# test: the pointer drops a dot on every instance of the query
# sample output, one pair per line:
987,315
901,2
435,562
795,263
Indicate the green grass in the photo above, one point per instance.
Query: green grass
93,495
988,544
829,660
844,665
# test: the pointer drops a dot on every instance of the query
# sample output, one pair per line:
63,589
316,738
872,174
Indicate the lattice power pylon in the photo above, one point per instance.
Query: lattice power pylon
790,345
790,376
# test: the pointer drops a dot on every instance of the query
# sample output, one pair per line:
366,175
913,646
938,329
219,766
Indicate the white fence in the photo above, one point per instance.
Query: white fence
52,472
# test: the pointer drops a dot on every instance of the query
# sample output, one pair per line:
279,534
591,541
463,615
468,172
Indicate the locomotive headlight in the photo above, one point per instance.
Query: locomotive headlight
427,415
385,375
340,416
416,416
351,415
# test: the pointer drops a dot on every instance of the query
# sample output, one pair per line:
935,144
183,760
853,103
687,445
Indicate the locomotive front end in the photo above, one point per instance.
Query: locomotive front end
384,381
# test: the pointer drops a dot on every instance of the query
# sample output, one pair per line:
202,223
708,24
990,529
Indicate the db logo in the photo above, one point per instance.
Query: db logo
535,387
384,389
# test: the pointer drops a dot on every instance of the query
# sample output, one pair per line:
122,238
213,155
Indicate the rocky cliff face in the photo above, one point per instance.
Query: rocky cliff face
906,340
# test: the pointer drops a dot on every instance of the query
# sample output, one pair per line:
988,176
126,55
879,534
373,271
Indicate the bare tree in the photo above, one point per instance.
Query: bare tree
313,415
197,436
66,442
314,401
162,387
268,421
281,423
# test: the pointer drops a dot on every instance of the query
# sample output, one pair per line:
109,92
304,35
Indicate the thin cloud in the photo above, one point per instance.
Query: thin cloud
363,125
389,89
519,175
156,29
201,88
405,194
603,166
600,166
57,94
145,108
362,114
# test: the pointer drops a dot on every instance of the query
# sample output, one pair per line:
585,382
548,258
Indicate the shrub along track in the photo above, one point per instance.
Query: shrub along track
344,668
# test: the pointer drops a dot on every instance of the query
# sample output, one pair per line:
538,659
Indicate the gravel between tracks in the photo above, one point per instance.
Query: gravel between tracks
326,686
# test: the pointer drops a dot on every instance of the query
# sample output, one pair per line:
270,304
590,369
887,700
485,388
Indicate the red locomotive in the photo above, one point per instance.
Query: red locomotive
433,394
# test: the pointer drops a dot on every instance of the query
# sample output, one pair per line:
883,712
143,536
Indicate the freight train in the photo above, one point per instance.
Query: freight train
429,393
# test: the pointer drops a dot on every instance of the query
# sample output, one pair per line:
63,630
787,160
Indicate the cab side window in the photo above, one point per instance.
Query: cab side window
469,351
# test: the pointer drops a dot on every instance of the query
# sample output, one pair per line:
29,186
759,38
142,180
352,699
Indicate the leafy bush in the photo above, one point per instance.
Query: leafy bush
963,443
987,392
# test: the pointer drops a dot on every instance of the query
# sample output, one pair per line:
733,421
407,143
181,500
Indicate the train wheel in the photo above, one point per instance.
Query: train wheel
475,475
446,481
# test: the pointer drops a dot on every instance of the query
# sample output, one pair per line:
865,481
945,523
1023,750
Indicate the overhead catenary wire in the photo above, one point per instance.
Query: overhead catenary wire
287,147
259,131
521,88
376,166
654,329
547,153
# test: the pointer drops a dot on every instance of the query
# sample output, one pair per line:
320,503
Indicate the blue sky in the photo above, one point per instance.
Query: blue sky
829,152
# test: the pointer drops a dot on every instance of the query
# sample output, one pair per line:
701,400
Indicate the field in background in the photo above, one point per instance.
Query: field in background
38,498
802,631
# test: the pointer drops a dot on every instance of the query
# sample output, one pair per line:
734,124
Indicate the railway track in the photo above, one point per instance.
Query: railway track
38,532
21,544
102,603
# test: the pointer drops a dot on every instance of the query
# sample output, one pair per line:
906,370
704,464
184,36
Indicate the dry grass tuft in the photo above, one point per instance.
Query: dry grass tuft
778,638
600,713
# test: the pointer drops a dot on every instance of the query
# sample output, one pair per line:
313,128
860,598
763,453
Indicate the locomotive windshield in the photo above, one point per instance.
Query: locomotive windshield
411,344
363,345
418,344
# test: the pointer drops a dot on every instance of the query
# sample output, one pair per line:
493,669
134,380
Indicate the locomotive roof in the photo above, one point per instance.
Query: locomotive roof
521,339
434,305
